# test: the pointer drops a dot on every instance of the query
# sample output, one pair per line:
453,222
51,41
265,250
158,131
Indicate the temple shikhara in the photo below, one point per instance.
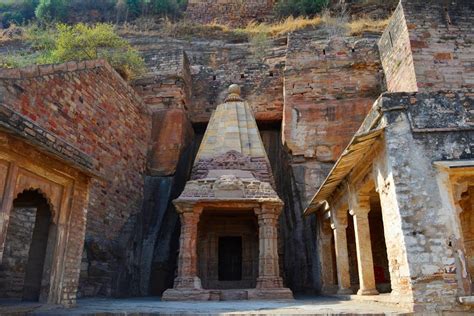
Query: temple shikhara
229,214
337,166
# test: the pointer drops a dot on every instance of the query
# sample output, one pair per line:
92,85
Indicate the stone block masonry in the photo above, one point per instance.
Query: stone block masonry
90,107
167,85
441,43
395,54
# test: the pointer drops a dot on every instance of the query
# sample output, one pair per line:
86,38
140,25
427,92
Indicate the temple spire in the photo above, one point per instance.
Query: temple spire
232,127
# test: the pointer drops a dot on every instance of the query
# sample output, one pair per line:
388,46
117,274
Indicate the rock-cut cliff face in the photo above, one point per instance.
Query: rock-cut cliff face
309,93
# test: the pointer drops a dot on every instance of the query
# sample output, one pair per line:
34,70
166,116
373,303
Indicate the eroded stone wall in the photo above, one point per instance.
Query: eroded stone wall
427,267
441,43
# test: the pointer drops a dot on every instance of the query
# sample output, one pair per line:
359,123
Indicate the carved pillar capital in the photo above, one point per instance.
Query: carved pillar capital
269,208
359,205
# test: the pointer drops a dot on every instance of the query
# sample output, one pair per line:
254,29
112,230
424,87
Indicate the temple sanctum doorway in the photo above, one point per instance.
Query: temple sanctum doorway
228,249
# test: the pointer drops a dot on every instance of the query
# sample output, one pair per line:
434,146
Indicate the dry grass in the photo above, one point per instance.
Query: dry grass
359,26
281,28
13,33
184,28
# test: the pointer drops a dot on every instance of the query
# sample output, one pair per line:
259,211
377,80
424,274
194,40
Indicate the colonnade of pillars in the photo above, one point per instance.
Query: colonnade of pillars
269,274
360,214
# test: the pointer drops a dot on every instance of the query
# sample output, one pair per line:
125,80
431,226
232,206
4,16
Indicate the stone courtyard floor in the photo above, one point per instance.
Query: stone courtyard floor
314,305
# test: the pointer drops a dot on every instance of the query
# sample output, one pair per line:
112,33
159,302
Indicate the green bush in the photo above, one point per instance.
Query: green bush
285,8
17,12
51,10
169,8
83,42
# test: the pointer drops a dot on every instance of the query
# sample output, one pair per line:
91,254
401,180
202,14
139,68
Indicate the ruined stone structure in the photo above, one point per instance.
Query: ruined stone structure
409,168
229,212
74,139
393,216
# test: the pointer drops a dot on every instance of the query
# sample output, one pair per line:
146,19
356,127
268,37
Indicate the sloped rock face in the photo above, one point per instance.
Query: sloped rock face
308,92
148,266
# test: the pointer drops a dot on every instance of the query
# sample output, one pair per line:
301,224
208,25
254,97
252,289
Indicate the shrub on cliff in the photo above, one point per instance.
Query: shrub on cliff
51,10
285,8
83,42
169,8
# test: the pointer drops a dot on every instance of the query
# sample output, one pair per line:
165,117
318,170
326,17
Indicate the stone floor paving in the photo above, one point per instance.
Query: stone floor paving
153,306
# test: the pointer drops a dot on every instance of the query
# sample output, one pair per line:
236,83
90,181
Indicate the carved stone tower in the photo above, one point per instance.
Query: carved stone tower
229,214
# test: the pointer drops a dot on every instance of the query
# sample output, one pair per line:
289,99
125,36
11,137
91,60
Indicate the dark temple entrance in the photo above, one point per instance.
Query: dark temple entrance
22,271
230,258
227,249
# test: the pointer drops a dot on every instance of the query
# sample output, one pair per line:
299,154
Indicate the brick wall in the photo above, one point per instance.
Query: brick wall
232,12
90,107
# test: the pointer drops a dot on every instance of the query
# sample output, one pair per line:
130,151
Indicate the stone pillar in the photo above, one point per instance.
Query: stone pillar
325,235
187,260
360,212
268,269
342,257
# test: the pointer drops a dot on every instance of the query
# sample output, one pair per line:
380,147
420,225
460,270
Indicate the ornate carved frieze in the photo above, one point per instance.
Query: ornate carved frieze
259,166
228,186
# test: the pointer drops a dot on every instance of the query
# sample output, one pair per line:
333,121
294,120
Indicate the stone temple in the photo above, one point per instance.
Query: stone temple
320,164
229,214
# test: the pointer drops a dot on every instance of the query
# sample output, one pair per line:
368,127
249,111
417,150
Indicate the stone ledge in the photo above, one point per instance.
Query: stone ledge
466,300
51,69
226,295
19,125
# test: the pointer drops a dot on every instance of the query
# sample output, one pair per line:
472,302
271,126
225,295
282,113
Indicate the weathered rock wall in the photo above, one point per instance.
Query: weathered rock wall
330,84
213,66
333,89
299,260
150,253
231,12
91,108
